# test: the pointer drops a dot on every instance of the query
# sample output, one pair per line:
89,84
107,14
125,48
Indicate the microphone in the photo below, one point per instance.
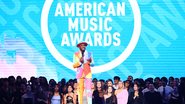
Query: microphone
82,53
82,58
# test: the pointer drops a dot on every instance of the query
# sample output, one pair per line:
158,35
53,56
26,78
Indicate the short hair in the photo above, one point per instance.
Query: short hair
116,78
171,78
164,79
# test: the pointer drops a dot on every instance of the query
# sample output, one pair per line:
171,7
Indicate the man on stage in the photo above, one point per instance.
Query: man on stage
82,62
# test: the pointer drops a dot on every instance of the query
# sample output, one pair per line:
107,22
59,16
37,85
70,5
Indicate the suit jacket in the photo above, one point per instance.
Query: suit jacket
83,69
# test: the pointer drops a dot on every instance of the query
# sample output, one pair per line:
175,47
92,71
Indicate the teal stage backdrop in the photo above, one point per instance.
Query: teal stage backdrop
142,38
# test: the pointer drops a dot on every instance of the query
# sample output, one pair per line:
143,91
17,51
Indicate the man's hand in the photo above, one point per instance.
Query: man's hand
89,60
82,60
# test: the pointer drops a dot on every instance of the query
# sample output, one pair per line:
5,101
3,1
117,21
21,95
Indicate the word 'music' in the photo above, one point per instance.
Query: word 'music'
90,22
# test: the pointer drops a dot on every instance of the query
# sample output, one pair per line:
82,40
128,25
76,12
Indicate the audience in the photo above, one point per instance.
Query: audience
131,91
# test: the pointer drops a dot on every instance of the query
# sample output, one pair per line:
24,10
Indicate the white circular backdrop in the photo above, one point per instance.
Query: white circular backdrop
96,69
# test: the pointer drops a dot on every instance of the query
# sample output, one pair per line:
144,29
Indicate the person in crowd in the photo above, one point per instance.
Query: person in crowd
75,86
109,97
94,80
156,82
24,80
160,84
175,96
103,84
97,97
141,83
52,84
6,95
71,81
136,97
165,91
70,97
21,90
128,86
182,89
28,97
43,83
12,86
93,87
147,83
176,82
63,86
54,96
116,80
109,83
121,94
64,90
130,78
152,96
41,96
63,81
34,82
170,81
146,89
18,80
